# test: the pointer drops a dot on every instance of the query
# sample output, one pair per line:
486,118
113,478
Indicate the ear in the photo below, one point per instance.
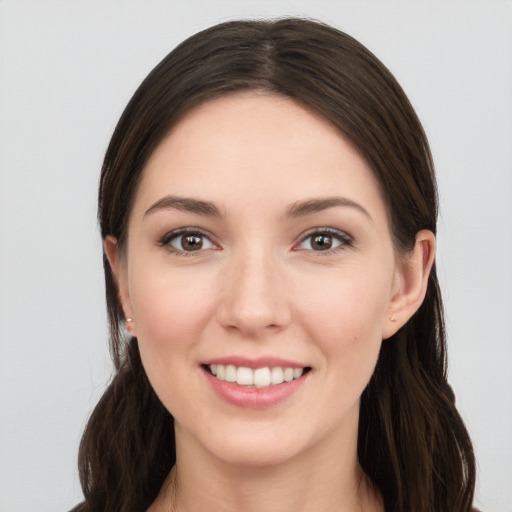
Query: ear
118,267
410,283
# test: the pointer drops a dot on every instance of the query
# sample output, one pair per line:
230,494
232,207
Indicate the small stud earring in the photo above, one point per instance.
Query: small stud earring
129,319
392,318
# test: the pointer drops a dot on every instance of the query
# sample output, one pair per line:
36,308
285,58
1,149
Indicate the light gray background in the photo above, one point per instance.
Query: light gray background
67,69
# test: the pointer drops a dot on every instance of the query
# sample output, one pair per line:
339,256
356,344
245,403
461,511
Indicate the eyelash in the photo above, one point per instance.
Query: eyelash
344,239
166,240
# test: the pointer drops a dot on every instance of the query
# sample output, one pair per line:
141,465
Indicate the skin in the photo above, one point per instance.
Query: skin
259,286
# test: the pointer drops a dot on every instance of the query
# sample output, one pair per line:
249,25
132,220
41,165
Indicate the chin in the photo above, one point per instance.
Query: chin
255,448
255,456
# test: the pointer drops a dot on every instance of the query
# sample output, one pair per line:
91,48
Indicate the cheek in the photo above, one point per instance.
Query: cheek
354,303
171,310
346,319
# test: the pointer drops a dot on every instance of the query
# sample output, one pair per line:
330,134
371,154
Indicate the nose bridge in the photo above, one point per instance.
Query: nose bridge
254,299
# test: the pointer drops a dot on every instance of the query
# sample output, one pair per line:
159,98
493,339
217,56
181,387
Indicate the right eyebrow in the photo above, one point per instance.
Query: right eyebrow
185,204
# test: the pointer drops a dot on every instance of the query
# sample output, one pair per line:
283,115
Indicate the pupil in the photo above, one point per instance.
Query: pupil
191,242
322,242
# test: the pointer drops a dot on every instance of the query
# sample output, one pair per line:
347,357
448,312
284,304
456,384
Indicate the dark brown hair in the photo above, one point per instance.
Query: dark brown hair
412,442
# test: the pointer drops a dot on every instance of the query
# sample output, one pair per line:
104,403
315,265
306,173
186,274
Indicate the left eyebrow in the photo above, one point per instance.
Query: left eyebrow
315,205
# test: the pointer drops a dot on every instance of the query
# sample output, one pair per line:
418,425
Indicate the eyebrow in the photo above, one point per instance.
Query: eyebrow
185,204
297,209
315,205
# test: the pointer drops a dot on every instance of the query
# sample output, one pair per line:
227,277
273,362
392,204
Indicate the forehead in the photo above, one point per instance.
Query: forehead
257,146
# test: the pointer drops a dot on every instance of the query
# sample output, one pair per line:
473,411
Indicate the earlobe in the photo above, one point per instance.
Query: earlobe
411,280
118,267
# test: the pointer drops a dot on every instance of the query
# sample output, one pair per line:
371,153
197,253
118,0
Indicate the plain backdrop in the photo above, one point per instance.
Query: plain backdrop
67,69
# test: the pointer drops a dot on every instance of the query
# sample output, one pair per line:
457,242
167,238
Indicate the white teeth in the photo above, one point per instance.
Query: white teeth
244,376
230,374
288,374
277,375
260,377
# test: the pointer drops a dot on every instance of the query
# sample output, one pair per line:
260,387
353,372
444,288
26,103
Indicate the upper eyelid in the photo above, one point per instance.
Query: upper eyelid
170,235
324,230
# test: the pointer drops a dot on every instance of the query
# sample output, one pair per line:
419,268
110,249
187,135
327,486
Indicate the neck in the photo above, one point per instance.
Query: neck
328,479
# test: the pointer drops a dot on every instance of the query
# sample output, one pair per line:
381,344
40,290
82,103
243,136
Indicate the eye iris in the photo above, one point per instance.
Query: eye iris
191,242
321,242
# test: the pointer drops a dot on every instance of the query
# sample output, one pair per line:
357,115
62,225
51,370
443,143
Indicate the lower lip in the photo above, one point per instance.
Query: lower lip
254,398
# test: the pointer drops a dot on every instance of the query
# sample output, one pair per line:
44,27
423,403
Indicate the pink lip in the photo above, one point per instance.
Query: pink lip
254,398
260,362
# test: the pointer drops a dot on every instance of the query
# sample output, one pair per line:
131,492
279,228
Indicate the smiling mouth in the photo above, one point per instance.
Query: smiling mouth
255,378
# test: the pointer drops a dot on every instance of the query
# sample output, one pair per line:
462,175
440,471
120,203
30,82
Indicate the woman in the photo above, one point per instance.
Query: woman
268,209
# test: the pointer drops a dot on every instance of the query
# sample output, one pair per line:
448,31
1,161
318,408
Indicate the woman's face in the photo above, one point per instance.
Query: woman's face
258,249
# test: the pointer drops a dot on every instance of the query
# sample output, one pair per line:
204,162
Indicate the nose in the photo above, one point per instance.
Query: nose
254,297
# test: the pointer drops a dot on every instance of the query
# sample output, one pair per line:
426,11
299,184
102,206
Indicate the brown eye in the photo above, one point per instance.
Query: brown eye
185,241
321,242
325,240
191,242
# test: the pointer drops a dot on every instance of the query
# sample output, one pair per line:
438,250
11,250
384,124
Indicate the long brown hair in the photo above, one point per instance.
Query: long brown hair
412,442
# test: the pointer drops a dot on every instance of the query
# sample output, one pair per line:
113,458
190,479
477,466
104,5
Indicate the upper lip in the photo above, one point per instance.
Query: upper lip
253,363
